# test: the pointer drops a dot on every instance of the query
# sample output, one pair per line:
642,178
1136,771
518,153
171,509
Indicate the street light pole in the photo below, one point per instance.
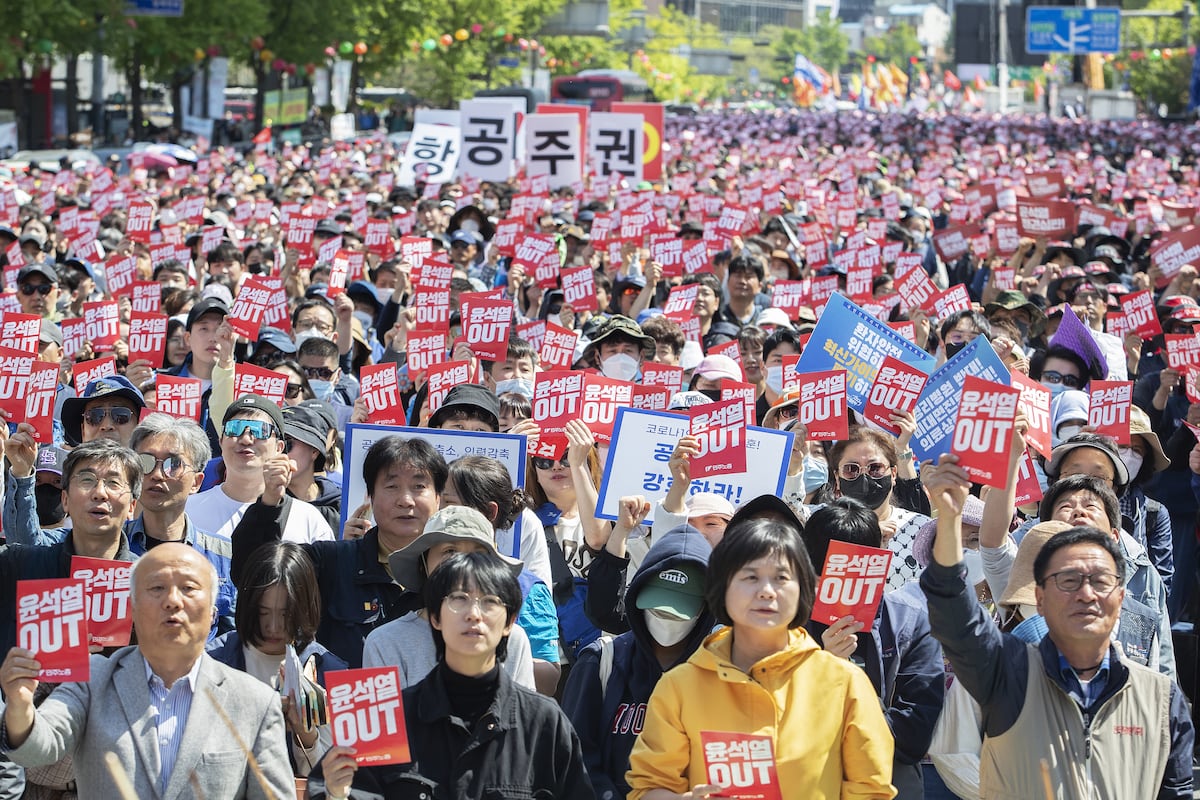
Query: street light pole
1002,65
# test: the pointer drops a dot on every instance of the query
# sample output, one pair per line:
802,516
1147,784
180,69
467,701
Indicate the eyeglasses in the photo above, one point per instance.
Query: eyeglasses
789,412
88,481
30,289
1070,381
260,430
312,325
876,469
489,604
267,360
293,391
172,466
318,373
548,463
119,415
1072,581
630,291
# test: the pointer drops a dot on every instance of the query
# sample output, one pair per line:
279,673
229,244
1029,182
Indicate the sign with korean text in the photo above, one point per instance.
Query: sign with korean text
425,348
486,325
935,409
822,406
1183,350
249,307
983,430
737,390
1108,411
615,145
579,289
663,375
179,397
1034,401
852,583
21,332
1174,250
84,372
267,383
895,389
148,338
52,622
719,429
1050,218
381,393
139,222
557,399
101,324
1140,315
653,126
489,138
601,399
743,764
431,155
558,347
553,148
106,590
366,712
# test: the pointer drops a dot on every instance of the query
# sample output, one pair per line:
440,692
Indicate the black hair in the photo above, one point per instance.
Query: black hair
473,413
486,573
704,279
416,453
318,346
665,331
307,304
105,451
480,480
1096,441
1082,483
748,540
284,564
751,336
780,336
518,348
515,404
1083,534
979,321
225,251
842,520
747,263
1038,363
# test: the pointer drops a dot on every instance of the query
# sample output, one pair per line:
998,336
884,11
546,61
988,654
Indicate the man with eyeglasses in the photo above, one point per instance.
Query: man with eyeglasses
37,291
1072,705
320,361
257,470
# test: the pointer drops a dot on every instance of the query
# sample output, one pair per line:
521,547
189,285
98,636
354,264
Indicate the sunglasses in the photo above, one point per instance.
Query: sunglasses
876,469
1069,381
293,391
260,430
30,289
119,416
318,373
548,463
172,466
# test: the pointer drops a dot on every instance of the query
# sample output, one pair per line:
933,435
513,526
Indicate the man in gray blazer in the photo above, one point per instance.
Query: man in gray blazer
152,704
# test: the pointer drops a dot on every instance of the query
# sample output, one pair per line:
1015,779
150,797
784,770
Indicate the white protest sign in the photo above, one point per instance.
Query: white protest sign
489,133
552,148
642,444
615,144
432,155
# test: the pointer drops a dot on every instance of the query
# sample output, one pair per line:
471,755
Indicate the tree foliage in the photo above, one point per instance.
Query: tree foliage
896,45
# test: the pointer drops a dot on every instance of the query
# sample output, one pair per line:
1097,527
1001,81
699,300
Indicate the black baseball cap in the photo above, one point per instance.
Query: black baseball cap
205,306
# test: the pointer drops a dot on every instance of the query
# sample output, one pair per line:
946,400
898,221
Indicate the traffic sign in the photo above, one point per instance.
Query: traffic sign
1067,29
154,8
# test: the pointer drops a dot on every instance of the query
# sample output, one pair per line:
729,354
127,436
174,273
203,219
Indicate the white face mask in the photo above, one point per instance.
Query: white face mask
1133,461
1066,432
303,336
1028,612
620,366
469,225
518,385
383,294
668,632
974,563
775,379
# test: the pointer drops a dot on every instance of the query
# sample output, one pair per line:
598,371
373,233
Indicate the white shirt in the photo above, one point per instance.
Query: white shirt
218,513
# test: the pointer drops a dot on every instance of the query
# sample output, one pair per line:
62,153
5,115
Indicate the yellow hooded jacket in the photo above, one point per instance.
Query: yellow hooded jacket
830,736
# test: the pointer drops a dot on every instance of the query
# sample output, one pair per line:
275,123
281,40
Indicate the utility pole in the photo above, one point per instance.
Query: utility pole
1002,65
98,84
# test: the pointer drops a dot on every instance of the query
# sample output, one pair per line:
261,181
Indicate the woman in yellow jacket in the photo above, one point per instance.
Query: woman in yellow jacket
760,709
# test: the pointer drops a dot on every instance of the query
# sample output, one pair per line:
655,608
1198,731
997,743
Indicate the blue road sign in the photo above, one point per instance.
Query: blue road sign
1066,29
509,62
154,8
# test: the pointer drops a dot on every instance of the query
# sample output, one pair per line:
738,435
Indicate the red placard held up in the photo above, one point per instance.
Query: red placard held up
1035,402
1108,411
558,347
179,397
1140,315
441,378
106,589
896,388
366,712
16,371
52,622
852,583
249,379
139,221
680,302
1183,350
381,393
744,763
579,288
983,430
720,430
822,405
1028,488
39,402
557,399
101,324
146,296
601,399
249,308
84,372
663,375
148,338
425,348
650,398
486,325
21,332
736,390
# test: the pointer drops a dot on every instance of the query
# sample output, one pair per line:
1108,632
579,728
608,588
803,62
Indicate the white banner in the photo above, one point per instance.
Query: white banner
642,444
341,127
507,448
489,132
432,154
615,144
320,86
218,78
340,86
552,148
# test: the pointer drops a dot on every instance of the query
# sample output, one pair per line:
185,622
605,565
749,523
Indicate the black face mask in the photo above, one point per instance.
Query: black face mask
49,504
953,349
711,394
869,491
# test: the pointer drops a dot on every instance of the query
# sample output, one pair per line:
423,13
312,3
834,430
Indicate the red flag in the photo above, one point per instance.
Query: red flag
263,136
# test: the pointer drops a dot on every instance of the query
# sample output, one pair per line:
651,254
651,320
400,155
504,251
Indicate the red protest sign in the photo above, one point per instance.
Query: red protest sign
557,398
441,378
1174,250
915,288
366,712
736,390
1183,349
668,252
1028,488
983,430
148,338
953,243
720,431
651,398
896,388
742,760
378,238
951,301
486,325
1034,400
579,288
106,589
822,405
139,221
84,372
852,583
558,347
52,622
249,308
1108,411
381,392
1140,315
662,375
179,397
680,302
249,379
21,332
539,253
425,348
39,401
146,296
101,323
16,368
1050,218
601,399
789,296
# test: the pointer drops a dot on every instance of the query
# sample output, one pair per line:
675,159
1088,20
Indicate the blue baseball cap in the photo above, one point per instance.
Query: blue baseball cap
110,386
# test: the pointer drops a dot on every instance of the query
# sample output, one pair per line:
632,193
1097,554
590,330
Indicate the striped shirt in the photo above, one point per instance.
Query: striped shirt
171,709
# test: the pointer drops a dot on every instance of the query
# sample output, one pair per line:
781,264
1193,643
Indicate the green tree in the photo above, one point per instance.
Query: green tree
896,45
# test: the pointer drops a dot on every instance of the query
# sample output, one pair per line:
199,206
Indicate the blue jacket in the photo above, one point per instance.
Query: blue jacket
609,719
994,669
228,650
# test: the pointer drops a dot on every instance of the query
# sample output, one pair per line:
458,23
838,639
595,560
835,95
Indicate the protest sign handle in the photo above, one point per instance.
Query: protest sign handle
999,503
947,485
237,737
119,776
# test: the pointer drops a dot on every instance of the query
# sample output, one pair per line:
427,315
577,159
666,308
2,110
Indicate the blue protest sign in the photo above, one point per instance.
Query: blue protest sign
849,338
938,405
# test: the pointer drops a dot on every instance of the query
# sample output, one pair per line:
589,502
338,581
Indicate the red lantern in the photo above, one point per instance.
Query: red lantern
508,37
310,68
213,51
360,49
257,43
278,64
447,40
476,29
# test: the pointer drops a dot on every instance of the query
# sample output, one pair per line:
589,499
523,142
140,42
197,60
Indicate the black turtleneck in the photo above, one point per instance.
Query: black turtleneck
470,698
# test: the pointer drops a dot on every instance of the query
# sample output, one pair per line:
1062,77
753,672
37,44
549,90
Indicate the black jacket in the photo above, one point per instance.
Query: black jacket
357,593
608,720
522,747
